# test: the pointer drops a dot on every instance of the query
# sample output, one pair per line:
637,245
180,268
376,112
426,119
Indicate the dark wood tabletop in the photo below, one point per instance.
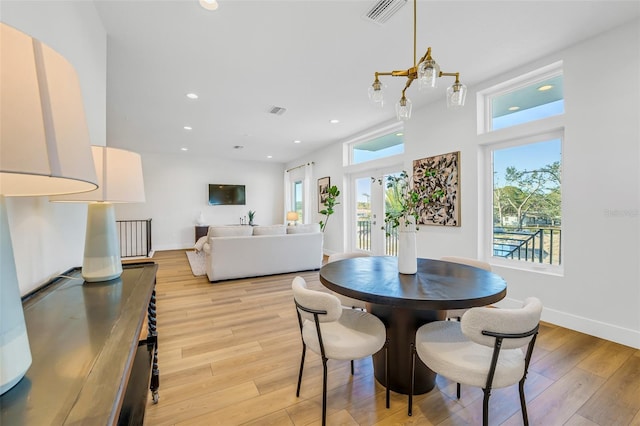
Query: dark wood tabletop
438,285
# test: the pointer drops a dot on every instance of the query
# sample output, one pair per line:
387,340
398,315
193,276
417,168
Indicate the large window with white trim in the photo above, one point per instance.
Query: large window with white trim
523,168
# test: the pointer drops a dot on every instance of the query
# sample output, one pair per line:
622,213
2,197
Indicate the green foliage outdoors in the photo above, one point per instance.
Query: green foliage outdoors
330,201
533,193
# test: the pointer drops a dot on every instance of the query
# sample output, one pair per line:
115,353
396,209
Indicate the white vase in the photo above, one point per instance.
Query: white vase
200,219
407,251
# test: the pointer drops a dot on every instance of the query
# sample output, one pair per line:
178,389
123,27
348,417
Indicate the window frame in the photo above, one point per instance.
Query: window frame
485,97
552,127
347,146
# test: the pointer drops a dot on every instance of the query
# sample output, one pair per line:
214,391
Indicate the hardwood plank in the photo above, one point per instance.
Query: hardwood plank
566,356
561,400
619,399
606,359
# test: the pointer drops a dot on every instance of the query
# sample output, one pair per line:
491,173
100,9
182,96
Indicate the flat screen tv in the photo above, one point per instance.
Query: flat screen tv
226,195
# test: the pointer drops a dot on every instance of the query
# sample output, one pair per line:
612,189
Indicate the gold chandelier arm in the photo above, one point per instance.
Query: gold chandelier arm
451,74
406,86
426,56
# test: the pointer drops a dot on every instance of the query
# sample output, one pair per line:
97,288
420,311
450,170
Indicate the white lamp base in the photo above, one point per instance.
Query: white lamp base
101,249
15,353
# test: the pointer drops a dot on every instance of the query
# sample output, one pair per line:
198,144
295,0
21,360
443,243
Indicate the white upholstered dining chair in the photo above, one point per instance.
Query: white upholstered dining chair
457,313
488,348
335,332
346,300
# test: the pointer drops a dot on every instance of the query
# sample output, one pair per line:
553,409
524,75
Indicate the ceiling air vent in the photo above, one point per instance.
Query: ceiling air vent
277,110
382,10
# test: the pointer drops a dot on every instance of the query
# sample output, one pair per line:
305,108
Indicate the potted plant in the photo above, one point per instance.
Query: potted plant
406,196
330,201
251,214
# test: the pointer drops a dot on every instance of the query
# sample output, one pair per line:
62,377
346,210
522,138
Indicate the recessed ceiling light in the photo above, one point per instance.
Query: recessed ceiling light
184,149
334,121
269,156
297,141
514,108
188,128
209,4
399,134
192,96
545,87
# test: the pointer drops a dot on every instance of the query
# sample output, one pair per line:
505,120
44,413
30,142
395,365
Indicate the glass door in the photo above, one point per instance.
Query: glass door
371,200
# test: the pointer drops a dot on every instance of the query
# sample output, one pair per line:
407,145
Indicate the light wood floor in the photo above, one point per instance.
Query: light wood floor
229,355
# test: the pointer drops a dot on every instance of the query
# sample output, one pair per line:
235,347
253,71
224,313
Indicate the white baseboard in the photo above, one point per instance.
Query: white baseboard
614,333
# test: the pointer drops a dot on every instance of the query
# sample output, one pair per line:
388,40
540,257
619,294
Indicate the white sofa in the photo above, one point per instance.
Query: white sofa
249,251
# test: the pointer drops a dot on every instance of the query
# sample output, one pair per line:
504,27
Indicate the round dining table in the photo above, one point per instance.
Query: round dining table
404,302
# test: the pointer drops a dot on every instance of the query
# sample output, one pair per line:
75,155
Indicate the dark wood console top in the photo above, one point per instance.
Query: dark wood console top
83,338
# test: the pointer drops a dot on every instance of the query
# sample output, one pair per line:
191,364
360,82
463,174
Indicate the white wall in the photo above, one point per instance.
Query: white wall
176,189
599,293
48,238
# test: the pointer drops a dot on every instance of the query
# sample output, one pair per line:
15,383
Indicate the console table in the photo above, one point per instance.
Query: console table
90,365
201,231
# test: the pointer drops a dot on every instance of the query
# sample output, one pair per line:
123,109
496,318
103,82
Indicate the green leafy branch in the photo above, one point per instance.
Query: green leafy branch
330,201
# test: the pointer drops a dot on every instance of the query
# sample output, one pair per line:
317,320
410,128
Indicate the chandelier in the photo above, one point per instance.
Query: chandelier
427,72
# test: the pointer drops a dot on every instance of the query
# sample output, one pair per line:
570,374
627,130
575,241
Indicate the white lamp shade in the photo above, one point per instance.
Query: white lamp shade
44,138
44,149
119,178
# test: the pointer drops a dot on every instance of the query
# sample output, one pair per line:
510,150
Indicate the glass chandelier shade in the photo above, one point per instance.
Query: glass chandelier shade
403,109
376,93
456,95
428,73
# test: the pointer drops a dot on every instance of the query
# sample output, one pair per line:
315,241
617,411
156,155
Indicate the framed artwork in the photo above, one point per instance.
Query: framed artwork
323,190
445,210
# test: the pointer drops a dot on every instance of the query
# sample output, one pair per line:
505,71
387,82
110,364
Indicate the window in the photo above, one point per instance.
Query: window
523,169
527,207
298,200
386,143
528,98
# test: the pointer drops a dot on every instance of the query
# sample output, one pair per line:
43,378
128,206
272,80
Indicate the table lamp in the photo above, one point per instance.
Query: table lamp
292,217
44,149
120,181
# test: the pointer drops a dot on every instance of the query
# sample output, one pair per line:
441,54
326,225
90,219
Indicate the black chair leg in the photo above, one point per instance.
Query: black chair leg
386,369
485,407
304,350
458,390
324,391
352,367
523,404
413,372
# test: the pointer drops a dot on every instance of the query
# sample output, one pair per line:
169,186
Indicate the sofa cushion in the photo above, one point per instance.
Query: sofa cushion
230,231
308,228
270,230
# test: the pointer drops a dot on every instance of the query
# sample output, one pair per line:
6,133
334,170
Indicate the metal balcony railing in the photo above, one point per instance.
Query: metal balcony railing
363,237
135,237
538,245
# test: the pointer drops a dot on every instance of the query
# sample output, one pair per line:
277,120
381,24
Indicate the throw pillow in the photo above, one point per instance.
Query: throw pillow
307,228
200,243
270,230
230,231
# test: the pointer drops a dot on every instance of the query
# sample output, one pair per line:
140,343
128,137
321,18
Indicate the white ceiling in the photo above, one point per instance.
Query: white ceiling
314,58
